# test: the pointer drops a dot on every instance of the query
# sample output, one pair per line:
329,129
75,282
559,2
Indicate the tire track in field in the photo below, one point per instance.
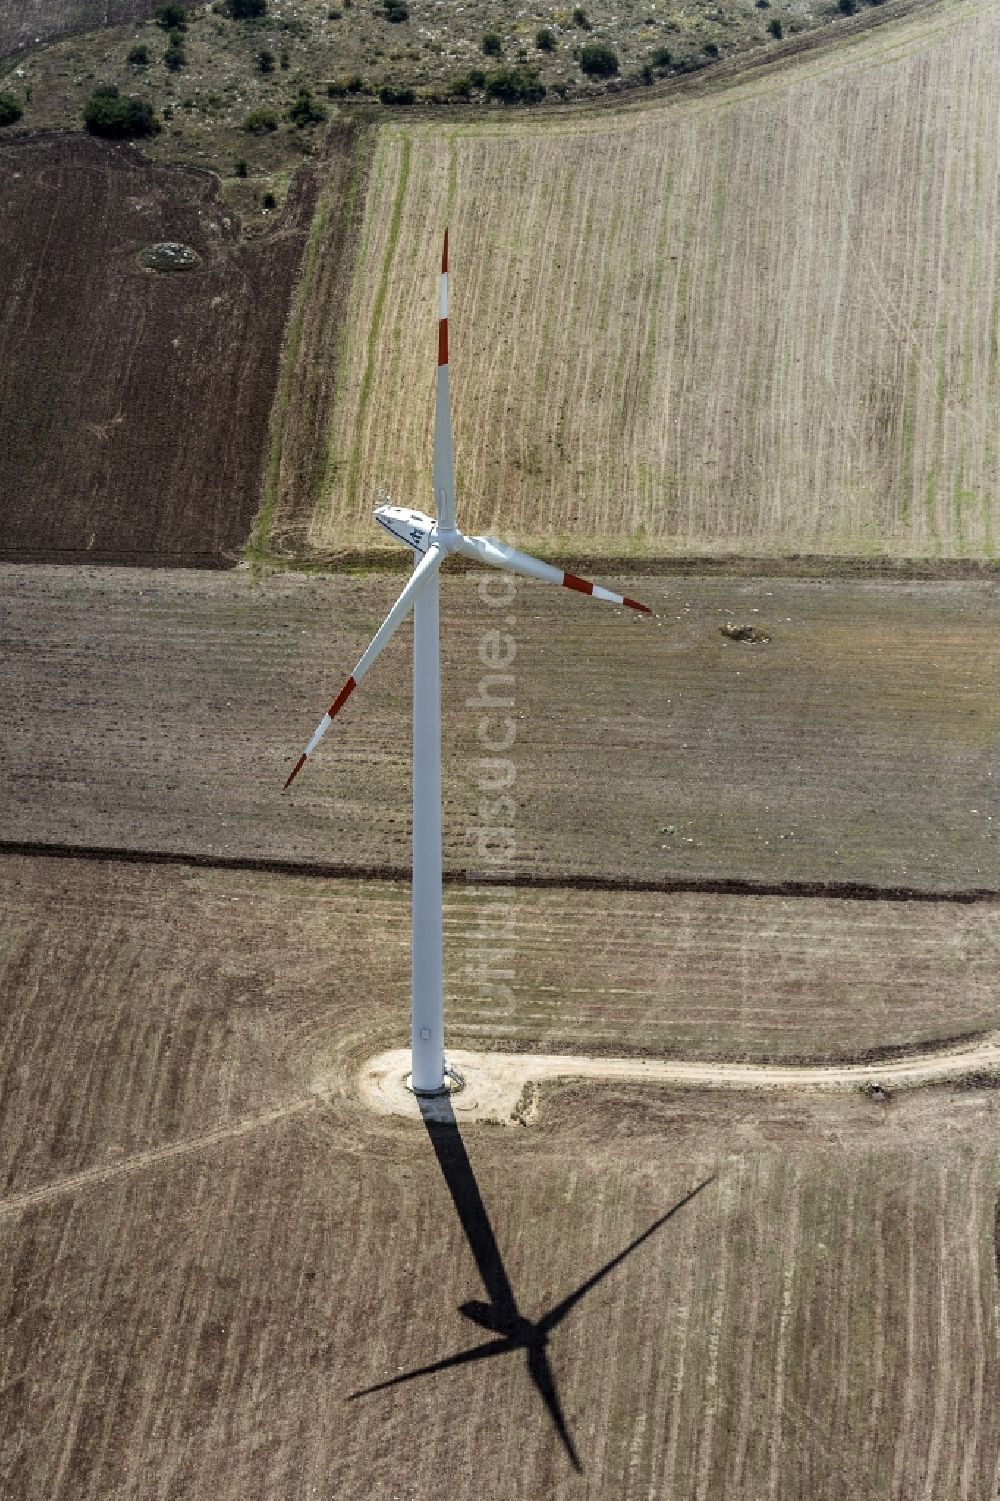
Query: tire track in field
109,1172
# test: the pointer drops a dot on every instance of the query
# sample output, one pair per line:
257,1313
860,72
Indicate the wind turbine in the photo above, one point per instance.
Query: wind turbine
432,541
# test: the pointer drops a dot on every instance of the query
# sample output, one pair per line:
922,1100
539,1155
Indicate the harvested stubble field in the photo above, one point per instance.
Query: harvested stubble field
756,319
162,712
134,403
202,1257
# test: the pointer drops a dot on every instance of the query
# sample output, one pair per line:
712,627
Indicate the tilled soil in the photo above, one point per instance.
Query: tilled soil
163,711
134,404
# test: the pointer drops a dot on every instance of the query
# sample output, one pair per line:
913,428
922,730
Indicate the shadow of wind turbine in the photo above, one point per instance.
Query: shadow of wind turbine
500,1315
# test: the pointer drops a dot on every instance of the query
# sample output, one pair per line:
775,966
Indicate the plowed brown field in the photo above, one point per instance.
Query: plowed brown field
164,711
216,1257
757,319
134,405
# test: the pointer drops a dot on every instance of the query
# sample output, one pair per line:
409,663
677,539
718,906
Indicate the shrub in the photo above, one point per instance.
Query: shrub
247,10
284,61
269,201
545,40
515,86
304,110
774,27
171,17
598,60
492,44
335,15
10,109
139,57
847,7
107,113
265,60
396,12
581,19
175,57
240,168
712,49
661,58
647,75
390,95
477,78
353,85
259,121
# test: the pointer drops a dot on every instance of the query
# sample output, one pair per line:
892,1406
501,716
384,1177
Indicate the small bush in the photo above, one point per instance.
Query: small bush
353,85
269,201
774,27
175,57
335,15
492,44
515,86
661,58
712,49
240,168
847,7
389,95
284,61
10,109
266,60
305,110
477,78
396,12
139,57
171,17
545,40
647,75
247,10
107,113
598,60
581,19
259,121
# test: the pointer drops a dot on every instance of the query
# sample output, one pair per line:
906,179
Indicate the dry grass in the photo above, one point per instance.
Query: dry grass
818,1322
756,319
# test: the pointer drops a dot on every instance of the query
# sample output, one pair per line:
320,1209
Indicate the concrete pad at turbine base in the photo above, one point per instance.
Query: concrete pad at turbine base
502,1087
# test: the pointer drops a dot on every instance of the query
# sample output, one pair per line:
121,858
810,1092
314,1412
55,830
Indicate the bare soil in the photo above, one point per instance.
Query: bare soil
28,24
202,1256
163,711
134,404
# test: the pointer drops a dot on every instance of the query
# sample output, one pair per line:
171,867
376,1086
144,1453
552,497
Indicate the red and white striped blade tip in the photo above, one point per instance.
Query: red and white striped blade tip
444,255
294,773
586,586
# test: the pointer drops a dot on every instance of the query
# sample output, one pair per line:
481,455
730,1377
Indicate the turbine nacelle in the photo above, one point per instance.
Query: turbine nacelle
413,528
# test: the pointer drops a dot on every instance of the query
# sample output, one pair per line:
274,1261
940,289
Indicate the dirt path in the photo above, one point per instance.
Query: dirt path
109,1171
497,1086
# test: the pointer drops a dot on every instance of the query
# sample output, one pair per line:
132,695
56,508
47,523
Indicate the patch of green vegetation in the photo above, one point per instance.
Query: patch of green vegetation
107,113
10,109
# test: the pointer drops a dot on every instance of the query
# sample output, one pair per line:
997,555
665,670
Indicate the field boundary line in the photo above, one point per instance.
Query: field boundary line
109,1171
856,891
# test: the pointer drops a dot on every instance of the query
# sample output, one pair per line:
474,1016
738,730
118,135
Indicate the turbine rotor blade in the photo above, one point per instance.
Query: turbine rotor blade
425,569
500,555
444,473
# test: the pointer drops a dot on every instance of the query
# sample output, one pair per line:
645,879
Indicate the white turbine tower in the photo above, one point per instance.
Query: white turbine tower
431,541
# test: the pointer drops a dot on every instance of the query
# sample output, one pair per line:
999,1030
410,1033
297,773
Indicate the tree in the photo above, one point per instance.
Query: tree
259,121
304,110
515,86
175,57
492,44
107,113
581,19
265,60
171,17
598,60
774,27
247,10
10,109
545,40
139,57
